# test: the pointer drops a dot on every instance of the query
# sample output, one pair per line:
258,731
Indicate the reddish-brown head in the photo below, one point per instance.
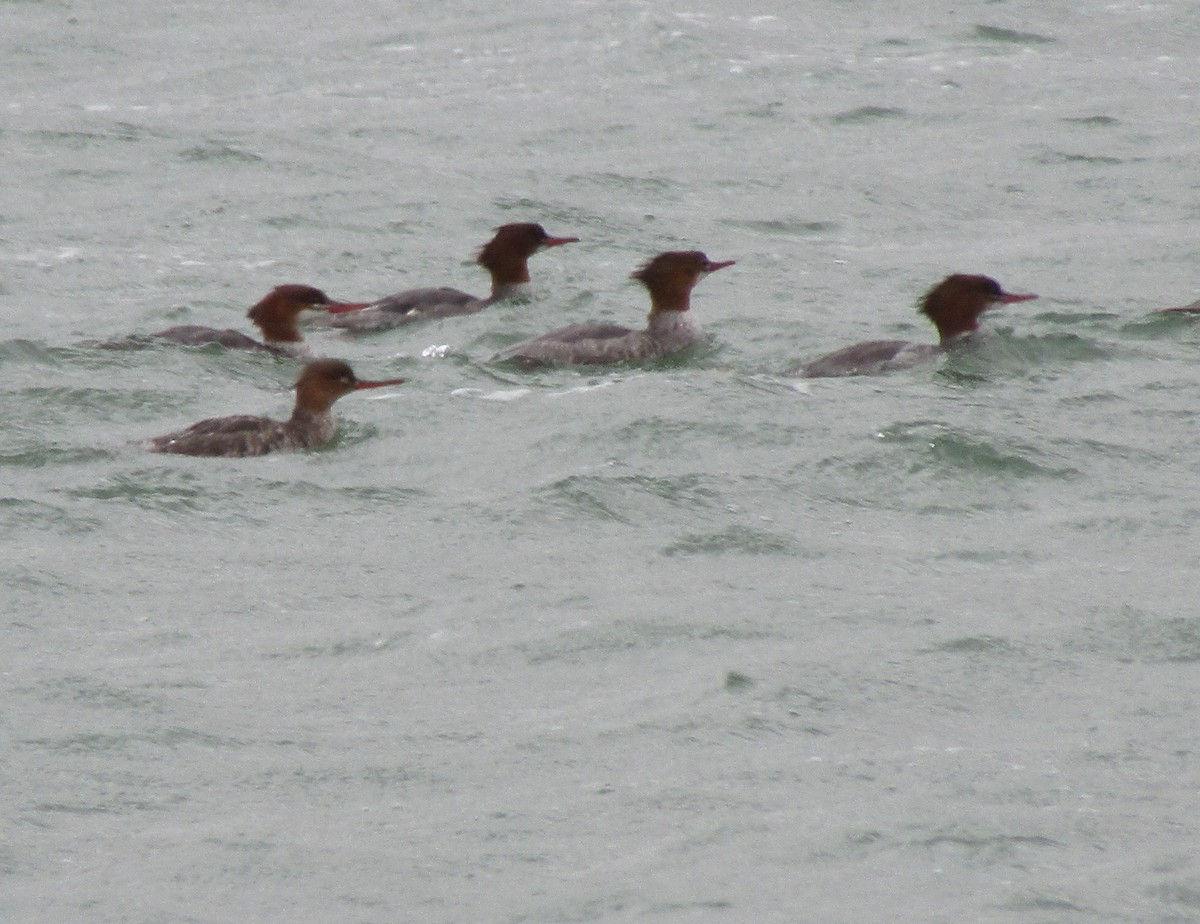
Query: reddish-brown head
505,256
670,277
323,381
956,303
275,315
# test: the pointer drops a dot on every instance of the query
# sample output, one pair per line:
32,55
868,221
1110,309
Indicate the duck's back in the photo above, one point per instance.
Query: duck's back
583,344
410,305
868,358
243,435
196,335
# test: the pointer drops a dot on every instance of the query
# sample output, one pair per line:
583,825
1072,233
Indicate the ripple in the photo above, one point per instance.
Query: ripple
1098,121
29,351
1186,894
341,648
78,140
218,152
738,539
1039,901
619,498
649,434
786,227
166,490
101,695
1006,355
368,495
994,845
653,187
630,635
990,645
1012,36
172,737
18,513
584,502
1064,157
41,456
99,402
1135,636
866,115
769,110
73,140
940,445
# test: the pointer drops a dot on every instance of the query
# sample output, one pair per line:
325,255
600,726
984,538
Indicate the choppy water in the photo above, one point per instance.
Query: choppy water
686,642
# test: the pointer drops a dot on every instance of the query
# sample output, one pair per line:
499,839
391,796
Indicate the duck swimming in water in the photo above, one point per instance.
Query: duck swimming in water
669,278
311,425
954,306
505,257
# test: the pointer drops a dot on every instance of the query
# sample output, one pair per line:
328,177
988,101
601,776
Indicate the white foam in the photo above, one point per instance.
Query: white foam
508,394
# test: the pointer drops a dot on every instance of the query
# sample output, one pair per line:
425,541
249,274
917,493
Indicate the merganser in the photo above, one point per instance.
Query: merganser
275,315
954,305
505,256
669,277
321,383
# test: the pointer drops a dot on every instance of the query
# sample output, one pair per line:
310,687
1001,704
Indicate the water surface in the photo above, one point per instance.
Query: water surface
681,642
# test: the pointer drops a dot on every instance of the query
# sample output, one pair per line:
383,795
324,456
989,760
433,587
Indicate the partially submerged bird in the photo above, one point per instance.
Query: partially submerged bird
1193,308
669,278
505,257
954,305
321,383
276,315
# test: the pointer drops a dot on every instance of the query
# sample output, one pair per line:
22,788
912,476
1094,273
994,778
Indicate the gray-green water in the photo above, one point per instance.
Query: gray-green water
683,643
